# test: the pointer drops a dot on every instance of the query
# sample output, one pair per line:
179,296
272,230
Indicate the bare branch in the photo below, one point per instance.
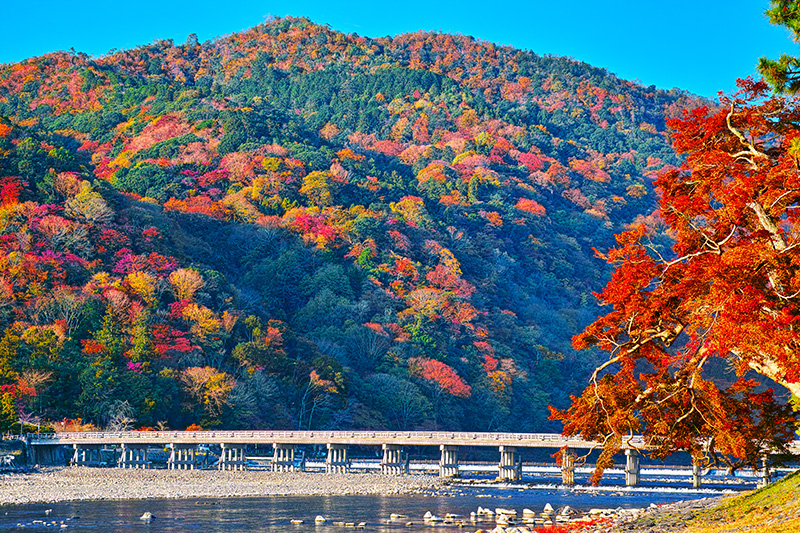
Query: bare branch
605,365
751,149
779,198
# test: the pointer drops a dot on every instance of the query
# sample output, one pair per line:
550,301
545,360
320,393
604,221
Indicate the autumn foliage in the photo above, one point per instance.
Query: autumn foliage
440,373
293,227
725,294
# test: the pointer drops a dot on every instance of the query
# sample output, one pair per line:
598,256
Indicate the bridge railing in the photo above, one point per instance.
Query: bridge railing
318,436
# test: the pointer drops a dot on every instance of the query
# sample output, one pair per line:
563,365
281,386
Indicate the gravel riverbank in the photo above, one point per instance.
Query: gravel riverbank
81,483
668,518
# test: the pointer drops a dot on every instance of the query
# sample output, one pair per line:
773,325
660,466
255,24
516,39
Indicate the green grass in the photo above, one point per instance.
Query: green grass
771,509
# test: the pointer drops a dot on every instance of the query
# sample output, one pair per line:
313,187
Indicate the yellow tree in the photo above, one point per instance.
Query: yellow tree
185,282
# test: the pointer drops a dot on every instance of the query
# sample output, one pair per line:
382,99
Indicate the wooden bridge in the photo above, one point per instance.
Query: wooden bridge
355,438
132,447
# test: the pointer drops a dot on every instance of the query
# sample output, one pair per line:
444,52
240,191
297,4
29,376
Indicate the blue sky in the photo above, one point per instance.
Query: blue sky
701,46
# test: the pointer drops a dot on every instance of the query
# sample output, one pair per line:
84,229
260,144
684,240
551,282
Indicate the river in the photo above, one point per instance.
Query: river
275,513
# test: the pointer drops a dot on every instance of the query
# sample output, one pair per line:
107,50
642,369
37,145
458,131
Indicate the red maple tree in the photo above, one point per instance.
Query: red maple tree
729,289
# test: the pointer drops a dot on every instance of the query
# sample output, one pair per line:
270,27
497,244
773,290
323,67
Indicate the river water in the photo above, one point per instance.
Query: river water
275,513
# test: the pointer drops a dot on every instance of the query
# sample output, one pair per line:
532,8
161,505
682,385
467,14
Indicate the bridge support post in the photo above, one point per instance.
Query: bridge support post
392,462
508,468
448,464
568,467
632,468
697,473
283,458
766,472
232,457
182,457
86,454
336,461
43,454
133,456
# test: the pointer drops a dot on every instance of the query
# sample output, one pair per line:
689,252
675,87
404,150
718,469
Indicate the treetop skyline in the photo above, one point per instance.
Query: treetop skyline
602,36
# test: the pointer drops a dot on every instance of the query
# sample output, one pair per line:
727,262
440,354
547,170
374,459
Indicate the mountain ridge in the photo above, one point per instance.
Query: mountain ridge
295,227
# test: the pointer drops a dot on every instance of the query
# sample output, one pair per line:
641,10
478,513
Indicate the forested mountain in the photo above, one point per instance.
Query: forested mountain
292,227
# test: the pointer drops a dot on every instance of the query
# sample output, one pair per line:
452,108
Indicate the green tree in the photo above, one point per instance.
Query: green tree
8,408
142,339
100,379
783,74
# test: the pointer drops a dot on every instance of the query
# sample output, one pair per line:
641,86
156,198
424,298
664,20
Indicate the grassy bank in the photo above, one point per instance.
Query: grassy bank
772,509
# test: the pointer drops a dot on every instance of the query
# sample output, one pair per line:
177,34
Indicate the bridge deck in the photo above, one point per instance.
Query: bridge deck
358,438
355,438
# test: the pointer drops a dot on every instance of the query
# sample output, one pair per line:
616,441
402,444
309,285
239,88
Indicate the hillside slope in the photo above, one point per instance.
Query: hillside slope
294,227
771,509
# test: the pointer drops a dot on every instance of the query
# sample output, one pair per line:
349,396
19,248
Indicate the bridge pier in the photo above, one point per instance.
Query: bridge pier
232,457
697,473
283,457
133,456
448,464
632,468
392,462
509,468
43,455
87,455
567,467
766,472
182,457
337,461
